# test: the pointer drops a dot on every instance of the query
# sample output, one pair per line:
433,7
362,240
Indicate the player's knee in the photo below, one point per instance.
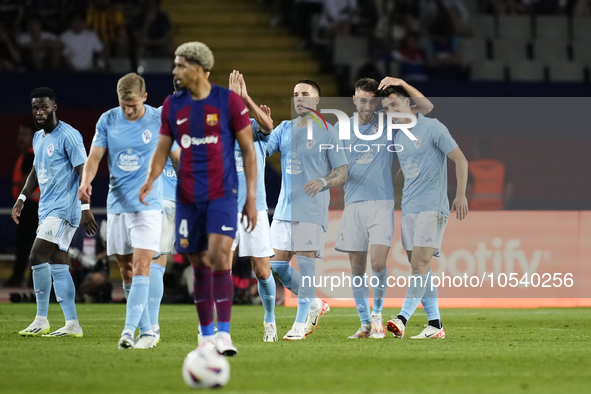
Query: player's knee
219,258
261,271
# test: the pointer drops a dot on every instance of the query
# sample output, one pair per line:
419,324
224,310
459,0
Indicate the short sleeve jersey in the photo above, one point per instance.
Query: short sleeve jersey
206,131
301,161
370,165
57,154
260,146
130,147
424,165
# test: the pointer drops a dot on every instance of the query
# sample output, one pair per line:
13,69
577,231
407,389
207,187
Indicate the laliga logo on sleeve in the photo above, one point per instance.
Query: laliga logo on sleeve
146,136
50,150
186,141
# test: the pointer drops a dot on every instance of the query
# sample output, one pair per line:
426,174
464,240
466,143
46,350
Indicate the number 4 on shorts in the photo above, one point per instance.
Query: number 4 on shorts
184,228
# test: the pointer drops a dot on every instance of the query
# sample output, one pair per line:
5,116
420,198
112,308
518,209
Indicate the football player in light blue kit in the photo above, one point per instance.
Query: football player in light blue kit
368,218
130,133
59,158
256,244
425,207
301,216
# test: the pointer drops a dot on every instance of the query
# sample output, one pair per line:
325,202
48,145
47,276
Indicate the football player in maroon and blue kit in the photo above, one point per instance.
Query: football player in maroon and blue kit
206,120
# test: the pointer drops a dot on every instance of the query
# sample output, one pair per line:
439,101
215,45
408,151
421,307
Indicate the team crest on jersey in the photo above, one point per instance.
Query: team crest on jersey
147,136
211,119
310,143
417,143
184,243
375,128
50,150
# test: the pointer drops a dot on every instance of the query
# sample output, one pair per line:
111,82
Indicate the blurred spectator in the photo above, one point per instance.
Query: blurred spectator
412,58
81,45
443,51
305,10
27,228
90,265
52,14
12,13
582,8
153,32
338,16
489,186
109,25
10,56
40,49
431,11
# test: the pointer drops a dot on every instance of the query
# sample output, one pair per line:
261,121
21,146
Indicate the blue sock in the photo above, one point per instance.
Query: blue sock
414,294
126,289
289,277
267,292
64,288
156,291
307,292
429,301
361,296
223,326
208,330
42,286
379,292
137,302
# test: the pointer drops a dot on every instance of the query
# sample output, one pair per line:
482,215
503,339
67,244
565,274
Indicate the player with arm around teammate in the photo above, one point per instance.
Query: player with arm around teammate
425,207
368,217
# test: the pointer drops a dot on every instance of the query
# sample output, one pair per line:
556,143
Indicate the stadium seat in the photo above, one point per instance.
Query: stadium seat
582,29
526,71
348,50
488,71
550,51
567,72
483,26
552,27
473,50
582,52
510,49
515,26
155,65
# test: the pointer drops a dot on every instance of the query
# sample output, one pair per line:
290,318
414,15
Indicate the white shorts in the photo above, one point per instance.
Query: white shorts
423,229
366,223
57,231
167,236
256,243
298,237
126,231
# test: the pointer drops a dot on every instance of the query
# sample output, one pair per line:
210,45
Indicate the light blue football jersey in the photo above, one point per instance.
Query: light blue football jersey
301,161
56,156
424,165
260,145
131,146
370,165
169,177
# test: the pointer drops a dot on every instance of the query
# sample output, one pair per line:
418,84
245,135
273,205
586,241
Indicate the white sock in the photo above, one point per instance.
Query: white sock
72,323
41,319
207,338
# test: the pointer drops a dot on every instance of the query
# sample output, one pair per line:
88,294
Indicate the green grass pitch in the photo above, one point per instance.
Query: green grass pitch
486,351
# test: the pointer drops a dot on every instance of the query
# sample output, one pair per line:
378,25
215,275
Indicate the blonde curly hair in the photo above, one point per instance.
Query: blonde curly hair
196,52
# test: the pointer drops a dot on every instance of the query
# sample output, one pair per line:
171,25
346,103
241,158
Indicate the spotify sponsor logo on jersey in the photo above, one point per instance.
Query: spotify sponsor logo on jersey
187,140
